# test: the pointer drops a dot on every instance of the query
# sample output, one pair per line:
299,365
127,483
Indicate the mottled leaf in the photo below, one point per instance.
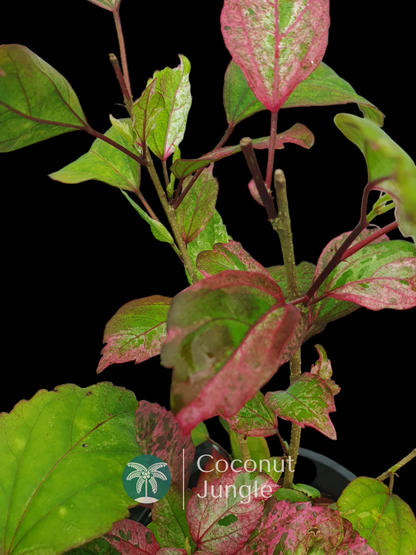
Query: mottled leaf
171,551
254,418
197,208
304,273
215,232
323,87
135,332
300,528
385,520
307,490
145,111
173,85
158,230
104,163
132,538
169,518
222,521
285,494
36,102
276,44
376,277
227,336
62,455
99,546
228,256
307,402
125,128
323,369
159,434
199,434
257,446
384,157
298,134
330,309
110,5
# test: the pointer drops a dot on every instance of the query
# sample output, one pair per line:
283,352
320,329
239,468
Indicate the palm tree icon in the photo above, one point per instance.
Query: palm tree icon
144,475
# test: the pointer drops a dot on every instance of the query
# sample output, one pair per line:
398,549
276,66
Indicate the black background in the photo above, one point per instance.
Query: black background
74,254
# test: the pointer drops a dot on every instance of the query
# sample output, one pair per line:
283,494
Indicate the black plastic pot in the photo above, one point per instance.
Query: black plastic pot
329,477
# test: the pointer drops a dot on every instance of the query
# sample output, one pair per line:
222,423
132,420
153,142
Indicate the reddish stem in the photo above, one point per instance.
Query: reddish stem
272,146
120,79
122,45
99,135
370,239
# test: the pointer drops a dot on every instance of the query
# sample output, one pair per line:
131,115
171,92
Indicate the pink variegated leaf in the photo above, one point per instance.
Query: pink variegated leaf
135,332
254,419
171,551
132,538
221,521
295,528
276,43
227,256
298,134
158,434
307,402
323,369
213,469
227,336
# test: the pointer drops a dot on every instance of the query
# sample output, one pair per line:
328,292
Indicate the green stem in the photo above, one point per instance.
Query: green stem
281,224
165,173
122,45
170,213
245,452
398,465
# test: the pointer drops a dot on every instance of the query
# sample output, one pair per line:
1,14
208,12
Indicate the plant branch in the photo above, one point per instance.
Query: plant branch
165,173
272,145
250,156
122,46
123,86
395,467
369,239
362,224
99,135
245,452
170,213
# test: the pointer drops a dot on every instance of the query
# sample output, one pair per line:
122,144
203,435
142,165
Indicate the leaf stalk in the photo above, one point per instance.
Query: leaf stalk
398,465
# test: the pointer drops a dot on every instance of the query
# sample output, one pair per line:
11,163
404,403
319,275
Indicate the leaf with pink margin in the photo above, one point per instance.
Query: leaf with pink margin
376,277
158,434
277,44
254,419
227,336
298,134
135,332
304,274
145,111
307,402
132,538
323,369
221,522
227,256
300,528
323,87
196,210
330,309
109,5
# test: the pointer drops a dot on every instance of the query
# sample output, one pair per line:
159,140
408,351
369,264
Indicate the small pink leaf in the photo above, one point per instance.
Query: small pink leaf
298,134
158,434
307,402
132,538
222,520
135,332
276,43
227,256
295,528
254,192
227,336
323,369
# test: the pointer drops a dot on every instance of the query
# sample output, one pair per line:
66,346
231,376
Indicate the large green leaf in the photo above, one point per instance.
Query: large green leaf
145,111
62,455
323,87
36,102
384,157
104,163
383,519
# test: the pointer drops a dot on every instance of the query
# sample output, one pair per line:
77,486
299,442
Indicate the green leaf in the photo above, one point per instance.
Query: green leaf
257,446
104,162
215,232
173,85
323,87
124,127
158,230
197,207
145,112
254,418
169,518
100,546
36,102
228,256
307,490
199,434
284,494
384,157
385,520
62,455
136,331
304,273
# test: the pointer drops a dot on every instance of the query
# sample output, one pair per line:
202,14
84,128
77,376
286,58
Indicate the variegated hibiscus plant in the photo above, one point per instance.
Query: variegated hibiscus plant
226,334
